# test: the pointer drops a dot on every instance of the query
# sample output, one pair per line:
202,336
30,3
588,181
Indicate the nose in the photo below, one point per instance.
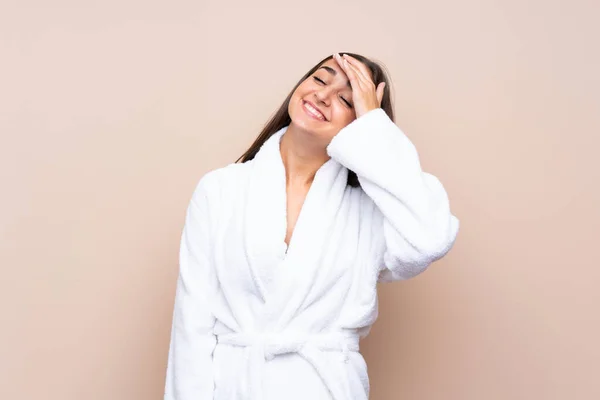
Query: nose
322,95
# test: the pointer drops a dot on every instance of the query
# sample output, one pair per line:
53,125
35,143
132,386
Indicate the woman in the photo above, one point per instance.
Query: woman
281,254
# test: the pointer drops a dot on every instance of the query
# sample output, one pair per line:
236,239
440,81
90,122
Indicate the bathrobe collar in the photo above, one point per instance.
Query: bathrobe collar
265,230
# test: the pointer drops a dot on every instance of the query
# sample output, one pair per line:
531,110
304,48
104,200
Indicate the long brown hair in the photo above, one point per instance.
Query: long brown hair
281,117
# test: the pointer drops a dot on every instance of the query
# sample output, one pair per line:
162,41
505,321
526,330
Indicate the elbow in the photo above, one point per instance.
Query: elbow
402,268
442,241
406,260
445,240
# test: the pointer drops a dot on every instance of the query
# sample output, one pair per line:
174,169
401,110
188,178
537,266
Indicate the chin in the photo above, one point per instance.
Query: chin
308,125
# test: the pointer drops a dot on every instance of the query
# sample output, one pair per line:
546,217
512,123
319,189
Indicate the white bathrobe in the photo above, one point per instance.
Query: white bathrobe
257,320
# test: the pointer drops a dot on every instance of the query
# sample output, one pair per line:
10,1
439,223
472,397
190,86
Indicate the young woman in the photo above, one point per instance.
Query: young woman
281,254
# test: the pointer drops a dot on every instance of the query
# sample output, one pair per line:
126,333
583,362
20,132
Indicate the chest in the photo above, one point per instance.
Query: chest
320,247
294,202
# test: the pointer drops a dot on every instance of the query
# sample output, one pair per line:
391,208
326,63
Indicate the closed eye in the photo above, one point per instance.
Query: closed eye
347,102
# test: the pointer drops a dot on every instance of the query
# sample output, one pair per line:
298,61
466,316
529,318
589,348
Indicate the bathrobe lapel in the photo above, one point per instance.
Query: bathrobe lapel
284,280
264,231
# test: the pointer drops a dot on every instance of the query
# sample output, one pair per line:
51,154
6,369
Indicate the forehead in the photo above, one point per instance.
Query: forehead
339,78
332,63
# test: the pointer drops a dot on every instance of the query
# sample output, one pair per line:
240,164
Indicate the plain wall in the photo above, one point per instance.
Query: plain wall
111,111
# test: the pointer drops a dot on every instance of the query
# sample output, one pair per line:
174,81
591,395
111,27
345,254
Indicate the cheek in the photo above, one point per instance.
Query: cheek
300,92
304,87
343,115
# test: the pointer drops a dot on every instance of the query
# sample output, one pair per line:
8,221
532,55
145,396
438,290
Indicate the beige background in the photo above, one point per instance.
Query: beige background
111,111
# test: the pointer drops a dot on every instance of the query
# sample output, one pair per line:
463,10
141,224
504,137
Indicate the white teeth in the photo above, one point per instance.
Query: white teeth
314,111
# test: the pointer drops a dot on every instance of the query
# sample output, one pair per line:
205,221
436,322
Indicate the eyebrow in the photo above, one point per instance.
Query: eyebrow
334,73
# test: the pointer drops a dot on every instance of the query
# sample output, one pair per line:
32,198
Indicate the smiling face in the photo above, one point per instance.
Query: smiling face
322,103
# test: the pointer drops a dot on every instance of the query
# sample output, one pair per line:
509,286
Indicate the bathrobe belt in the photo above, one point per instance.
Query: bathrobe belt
263,347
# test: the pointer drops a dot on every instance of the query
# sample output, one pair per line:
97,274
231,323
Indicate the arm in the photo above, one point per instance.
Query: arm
418,226
189,369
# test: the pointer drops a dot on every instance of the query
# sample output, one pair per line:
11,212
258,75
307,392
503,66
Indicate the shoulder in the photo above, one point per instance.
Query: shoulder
215,183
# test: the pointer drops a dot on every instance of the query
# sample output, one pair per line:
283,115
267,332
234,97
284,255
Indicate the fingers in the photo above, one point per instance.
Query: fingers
364,93
362,70
364,74
350,72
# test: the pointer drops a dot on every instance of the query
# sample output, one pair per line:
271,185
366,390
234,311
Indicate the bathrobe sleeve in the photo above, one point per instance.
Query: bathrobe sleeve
189,370
417,224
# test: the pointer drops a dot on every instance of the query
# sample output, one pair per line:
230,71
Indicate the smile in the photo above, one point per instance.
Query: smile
312,111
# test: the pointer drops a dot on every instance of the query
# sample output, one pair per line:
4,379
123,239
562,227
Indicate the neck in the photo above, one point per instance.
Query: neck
302,156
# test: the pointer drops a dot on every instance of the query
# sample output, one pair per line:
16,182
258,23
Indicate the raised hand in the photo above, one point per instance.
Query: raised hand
365,96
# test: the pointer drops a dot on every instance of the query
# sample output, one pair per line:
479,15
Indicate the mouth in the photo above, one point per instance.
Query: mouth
313,111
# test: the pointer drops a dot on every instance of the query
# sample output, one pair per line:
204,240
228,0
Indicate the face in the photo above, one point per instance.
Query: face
322,103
